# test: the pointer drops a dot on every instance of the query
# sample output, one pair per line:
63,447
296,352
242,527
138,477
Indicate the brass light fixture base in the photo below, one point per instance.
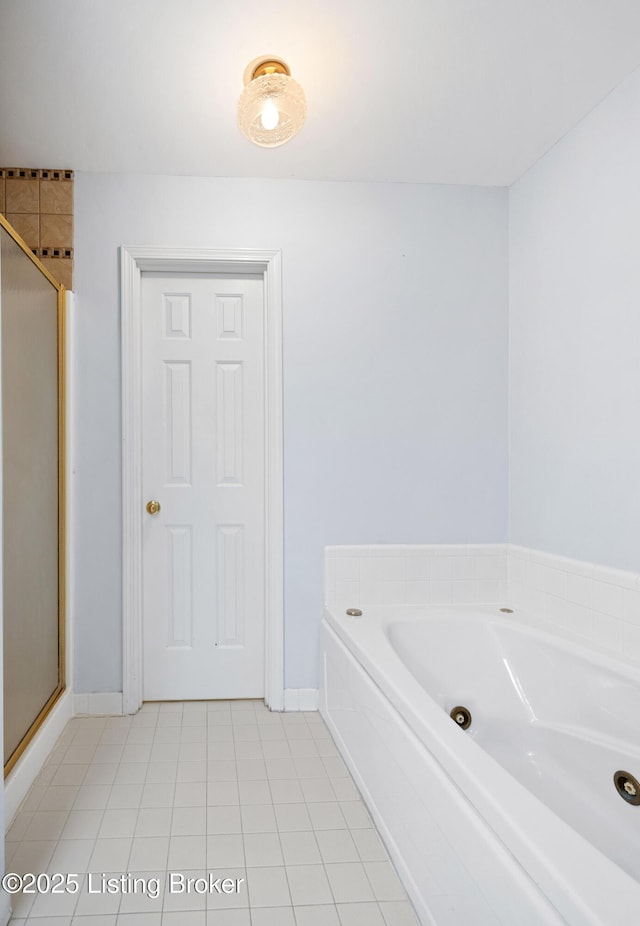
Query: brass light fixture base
265,64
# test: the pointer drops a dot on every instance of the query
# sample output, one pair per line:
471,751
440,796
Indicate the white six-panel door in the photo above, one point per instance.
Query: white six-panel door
203,462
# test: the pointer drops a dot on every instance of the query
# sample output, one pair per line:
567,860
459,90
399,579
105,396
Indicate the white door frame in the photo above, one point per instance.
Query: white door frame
133,261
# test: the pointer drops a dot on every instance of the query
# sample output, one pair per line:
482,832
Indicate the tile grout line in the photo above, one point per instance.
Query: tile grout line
140,803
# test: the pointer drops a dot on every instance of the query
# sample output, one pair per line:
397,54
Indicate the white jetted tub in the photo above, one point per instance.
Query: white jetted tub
515,819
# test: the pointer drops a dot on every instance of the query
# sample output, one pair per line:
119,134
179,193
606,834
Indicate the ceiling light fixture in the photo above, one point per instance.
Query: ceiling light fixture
272,106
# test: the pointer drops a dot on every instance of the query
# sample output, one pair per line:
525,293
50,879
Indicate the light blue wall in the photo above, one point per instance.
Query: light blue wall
575,341
395,372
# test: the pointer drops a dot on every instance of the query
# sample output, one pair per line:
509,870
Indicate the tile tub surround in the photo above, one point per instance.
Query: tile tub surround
416,574
597,604
227,787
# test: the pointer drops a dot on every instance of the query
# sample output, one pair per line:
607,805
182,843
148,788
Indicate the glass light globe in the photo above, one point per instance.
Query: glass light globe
271,109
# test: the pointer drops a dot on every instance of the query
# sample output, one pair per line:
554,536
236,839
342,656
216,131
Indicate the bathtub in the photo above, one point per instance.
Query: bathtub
515,819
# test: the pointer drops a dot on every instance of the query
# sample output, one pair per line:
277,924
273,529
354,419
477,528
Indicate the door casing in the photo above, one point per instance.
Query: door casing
133,262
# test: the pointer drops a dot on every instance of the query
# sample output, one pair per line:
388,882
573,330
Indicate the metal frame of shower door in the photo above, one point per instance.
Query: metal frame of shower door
62,532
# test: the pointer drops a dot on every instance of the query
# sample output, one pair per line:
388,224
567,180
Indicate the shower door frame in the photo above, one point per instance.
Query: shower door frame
61,369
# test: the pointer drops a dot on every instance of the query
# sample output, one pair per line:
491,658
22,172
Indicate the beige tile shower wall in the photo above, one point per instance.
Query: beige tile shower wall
39,205
596,603
416,574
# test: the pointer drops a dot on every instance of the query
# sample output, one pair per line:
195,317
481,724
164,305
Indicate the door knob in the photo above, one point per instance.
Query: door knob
153,507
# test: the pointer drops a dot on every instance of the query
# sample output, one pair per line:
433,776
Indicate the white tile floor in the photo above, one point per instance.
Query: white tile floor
222,787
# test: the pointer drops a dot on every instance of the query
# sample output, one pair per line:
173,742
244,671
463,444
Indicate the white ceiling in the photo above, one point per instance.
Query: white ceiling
438,91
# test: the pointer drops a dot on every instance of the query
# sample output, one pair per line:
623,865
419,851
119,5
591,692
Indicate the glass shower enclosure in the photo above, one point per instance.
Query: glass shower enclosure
32,306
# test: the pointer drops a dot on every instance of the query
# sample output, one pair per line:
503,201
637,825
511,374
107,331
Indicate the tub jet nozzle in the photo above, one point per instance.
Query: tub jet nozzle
462,716
627,787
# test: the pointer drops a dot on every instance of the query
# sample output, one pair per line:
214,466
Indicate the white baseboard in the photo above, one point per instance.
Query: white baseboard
30,763
110,702
98,702
301,699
